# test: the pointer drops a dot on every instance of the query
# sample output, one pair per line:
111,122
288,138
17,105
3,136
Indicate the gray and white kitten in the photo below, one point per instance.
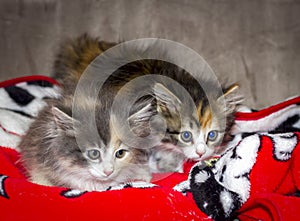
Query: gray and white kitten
59,150
52,155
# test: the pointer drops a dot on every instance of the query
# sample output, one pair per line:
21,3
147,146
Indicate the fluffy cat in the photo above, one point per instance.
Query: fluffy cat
59,150
191,134
195,134
52,155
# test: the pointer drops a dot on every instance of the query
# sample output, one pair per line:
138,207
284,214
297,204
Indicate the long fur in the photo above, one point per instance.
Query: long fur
76,55
50,151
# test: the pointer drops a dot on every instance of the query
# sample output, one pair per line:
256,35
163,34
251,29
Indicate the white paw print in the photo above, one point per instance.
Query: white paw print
182,187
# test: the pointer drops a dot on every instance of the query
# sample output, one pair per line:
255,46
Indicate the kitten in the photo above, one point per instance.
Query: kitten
59,150
195,134
52,154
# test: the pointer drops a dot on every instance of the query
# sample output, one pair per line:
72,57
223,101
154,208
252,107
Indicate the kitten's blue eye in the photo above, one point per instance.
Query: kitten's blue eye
186,136
93,154
212,135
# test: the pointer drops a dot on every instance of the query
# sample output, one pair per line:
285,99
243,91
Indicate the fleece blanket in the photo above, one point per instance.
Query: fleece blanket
261,168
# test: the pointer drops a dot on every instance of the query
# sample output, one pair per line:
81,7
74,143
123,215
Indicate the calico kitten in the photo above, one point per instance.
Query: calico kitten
191,134
195,134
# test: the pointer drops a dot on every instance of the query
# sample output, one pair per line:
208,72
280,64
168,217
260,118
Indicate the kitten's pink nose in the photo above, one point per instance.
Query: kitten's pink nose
199,153
108,172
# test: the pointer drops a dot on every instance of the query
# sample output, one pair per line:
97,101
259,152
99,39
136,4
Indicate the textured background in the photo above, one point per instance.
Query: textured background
256,43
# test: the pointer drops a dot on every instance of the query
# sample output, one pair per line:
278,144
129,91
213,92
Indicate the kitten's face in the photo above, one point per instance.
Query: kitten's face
200,136
103,165
106,162
195,133
113,162
197,137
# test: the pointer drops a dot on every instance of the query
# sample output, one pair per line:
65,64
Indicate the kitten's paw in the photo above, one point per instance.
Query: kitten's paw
163,161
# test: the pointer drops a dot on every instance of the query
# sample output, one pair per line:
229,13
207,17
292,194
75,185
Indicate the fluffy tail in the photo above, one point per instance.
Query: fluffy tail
75,55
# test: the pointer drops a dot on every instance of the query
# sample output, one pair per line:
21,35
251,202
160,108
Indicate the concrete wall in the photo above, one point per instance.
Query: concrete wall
256,43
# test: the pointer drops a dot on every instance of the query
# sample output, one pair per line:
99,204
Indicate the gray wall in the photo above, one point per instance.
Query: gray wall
256,43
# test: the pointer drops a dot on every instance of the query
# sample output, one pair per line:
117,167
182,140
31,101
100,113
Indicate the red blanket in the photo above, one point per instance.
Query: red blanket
20,101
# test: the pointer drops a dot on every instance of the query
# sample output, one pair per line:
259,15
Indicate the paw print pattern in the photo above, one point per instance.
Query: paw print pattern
137,184
183,187
283,145
212,197
69,193
73,193
202,176
3,192
233,168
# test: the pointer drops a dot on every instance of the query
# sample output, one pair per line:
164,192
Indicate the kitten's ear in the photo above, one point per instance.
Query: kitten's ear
63,121
142,115
139,121
167,102
231,97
